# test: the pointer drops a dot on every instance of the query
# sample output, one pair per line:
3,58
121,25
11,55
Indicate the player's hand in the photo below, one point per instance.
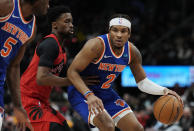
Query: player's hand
170,92
95,104
22,119
91,80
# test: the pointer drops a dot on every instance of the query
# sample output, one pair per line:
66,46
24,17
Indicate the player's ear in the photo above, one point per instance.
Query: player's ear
54,25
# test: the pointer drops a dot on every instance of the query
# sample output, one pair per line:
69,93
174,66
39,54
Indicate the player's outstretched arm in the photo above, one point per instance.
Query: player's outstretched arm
92,50
144,84
13,80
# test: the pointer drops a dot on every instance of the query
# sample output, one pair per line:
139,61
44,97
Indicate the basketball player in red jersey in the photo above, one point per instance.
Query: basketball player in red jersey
17,25
43,73
107,56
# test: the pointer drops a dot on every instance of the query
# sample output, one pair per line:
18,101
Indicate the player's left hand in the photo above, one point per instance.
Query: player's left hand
170,92
22,119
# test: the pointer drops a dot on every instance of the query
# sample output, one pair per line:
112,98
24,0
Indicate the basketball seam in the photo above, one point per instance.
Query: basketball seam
172,111
156,104
178,112
162,108
180,106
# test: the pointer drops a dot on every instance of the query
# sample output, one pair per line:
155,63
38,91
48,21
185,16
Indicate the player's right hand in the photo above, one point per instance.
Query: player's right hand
91,80
95,104
170,92
22,119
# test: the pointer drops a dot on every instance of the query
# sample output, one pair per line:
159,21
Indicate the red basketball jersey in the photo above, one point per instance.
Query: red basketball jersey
28,83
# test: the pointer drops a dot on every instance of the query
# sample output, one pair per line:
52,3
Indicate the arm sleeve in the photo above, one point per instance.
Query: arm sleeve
48,51
150,87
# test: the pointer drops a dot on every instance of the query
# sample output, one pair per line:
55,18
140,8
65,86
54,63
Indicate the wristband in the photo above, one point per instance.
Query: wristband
88,93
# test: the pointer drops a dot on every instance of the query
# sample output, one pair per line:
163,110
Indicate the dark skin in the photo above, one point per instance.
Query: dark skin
92,50
13,70
62,28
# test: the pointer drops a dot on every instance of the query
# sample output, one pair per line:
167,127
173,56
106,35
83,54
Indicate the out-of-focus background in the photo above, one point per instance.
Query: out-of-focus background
162,30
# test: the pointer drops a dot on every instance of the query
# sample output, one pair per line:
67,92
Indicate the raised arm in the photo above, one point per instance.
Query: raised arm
89,53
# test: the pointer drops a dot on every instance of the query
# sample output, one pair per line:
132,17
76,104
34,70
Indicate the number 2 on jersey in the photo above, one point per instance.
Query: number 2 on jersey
107,84
8,45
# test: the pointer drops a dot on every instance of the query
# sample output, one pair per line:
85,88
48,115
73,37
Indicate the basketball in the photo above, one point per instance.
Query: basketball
168,109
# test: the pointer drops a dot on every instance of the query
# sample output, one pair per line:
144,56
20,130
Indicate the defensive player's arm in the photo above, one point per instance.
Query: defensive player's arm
48,51
144,84
91,51
46,78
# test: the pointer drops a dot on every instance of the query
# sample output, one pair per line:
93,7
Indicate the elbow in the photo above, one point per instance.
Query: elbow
69,74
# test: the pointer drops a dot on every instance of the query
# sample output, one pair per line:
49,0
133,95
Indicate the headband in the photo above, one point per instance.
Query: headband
120,21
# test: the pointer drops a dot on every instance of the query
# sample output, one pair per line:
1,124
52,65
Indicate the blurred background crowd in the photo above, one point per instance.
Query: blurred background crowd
163,30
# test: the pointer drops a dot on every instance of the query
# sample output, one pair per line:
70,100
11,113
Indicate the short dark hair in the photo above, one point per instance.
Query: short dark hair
119,16
55,12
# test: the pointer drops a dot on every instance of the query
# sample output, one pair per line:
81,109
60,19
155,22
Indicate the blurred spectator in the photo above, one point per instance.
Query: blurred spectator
188,97
187,119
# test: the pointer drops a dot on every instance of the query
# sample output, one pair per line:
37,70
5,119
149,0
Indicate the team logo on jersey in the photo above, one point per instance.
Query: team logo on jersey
15,16
125,55
105,56
16,31
120,102
36,112
57,68
111,67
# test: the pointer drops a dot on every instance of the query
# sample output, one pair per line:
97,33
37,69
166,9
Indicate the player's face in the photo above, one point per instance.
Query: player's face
40,7
64,24
119,35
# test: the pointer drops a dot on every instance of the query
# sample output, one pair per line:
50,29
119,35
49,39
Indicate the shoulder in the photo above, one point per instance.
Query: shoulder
95,45
48,45
135,54
5,4
49,40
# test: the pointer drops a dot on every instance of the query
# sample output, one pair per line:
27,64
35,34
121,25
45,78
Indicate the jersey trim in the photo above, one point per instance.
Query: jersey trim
103,43
129,50
20,13
118,113
33,27
3,19
112,49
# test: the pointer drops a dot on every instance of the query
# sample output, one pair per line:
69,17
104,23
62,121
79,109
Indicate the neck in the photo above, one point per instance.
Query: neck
117,50
59,37
26,9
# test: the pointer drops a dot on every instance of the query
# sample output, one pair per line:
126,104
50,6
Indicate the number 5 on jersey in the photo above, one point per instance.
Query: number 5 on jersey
8,45
107,84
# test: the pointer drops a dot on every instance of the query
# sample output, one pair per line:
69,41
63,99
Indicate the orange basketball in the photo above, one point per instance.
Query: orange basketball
168,109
